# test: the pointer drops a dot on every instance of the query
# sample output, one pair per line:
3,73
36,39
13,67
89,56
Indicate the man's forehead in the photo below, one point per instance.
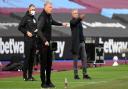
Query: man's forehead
32,7
74,11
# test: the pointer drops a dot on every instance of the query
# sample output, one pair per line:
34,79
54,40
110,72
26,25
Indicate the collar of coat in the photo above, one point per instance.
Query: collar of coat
28,14
46,13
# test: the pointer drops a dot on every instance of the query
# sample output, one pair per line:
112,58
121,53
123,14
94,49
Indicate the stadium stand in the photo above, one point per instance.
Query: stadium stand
38,3
8,26
20,6
103,3
121,17
106,7
109,12
91,19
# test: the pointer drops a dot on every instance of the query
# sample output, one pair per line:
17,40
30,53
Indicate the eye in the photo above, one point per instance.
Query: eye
33,10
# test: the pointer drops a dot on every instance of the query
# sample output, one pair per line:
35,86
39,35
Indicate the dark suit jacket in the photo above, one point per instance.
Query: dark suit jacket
77,34
45,22
28,23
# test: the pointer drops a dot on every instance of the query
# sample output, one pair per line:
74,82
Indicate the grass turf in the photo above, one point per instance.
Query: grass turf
102,78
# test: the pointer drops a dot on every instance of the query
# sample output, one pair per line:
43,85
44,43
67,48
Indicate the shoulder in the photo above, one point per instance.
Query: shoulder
41,16
71,20
26,18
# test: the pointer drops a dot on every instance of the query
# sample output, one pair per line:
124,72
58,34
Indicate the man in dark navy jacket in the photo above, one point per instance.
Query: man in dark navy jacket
45,23
78,44
28,26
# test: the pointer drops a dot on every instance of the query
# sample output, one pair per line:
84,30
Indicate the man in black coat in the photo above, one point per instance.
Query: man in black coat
45,23
28,26
78,44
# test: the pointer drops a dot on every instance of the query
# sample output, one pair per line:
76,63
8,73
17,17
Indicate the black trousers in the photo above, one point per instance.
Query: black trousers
46,64
29,58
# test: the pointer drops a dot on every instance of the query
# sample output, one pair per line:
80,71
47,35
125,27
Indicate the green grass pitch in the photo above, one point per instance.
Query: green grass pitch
102,78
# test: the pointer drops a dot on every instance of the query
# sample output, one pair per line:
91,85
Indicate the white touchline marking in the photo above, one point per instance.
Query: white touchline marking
89,83
80,84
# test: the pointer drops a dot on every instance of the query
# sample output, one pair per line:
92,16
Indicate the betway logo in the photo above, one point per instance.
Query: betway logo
60,48
100,24
112,46
11,46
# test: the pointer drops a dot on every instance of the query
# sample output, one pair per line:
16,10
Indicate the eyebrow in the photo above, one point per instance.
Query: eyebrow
33,9
75,12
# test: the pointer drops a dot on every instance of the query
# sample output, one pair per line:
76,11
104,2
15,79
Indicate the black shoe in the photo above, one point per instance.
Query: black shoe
44,86
50,85
25,78
31,79
76,77
86,77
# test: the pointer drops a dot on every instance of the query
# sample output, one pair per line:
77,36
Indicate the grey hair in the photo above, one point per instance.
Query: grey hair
74,10
47,2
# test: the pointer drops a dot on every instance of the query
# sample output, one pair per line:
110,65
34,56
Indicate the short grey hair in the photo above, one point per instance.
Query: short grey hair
47,2
74,10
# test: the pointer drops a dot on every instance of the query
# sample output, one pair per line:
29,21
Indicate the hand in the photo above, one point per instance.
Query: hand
82,16
46,43
64,24
29,34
